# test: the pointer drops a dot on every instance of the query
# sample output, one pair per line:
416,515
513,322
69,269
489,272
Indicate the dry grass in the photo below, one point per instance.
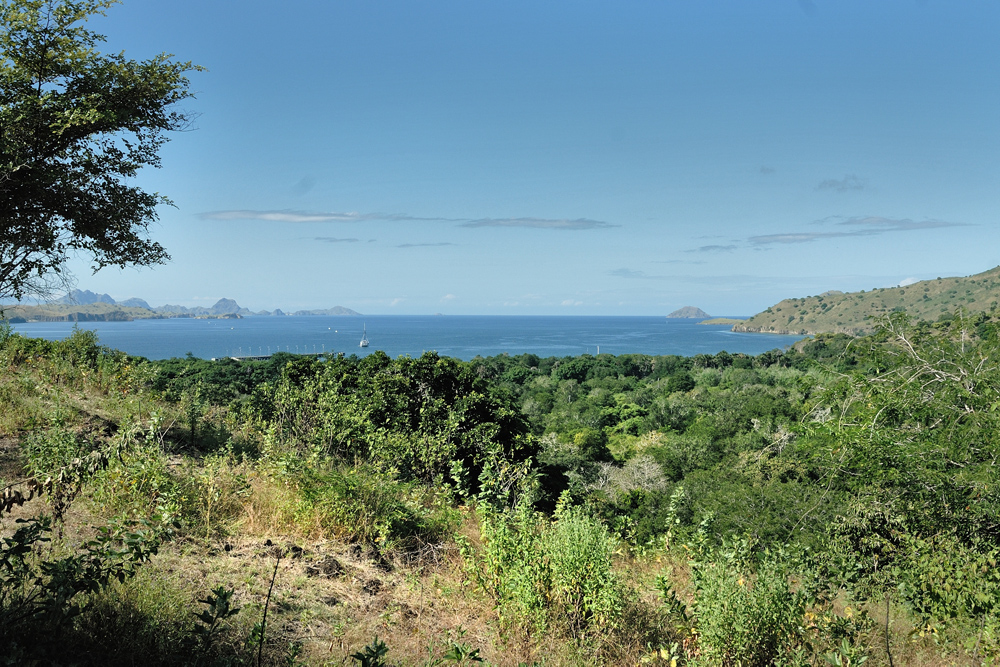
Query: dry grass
264,512
334,597
907,645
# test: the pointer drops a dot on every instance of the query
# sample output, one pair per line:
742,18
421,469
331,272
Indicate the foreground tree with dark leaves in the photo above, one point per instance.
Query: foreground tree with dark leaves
75,126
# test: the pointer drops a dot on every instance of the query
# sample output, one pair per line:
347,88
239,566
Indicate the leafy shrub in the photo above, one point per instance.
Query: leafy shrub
372,655
584,593
432,418
46,451
747,616
543,575
214,492
145,619
943,580
39,594
137,482
510,566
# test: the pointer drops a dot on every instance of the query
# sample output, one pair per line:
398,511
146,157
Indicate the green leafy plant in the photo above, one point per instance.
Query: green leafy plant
372,655
219,608
136,481
543,574
846,655
38,594
584,592
462,653
747,613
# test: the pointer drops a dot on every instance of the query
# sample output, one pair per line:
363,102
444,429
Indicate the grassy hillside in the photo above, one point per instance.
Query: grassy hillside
722,320
853,312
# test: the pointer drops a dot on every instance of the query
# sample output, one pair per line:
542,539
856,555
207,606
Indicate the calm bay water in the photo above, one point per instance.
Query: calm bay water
463,337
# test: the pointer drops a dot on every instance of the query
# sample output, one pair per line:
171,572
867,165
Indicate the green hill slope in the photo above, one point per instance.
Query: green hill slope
852,312
90,312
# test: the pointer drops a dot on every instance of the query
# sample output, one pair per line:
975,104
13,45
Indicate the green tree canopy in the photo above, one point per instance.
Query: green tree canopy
75,125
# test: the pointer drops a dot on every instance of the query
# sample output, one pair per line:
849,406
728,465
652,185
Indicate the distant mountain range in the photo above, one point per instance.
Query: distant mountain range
86,306
855,312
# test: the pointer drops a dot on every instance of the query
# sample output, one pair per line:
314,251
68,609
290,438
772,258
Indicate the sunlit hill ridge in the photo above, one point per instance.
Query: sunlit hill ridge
855,312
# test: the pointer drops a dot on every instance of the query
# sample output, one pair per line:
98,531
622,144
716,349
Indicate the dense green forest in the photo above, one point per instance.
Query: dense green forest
835,503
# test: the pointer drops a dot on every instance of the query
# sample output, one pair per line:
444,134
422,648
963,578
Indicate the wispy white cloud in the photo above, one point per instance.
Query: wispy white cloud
571,302
540,223
714,248
291,216
628,273
908,281
800,237
331,239
310,216
880,224
860,226
737,282
636,274
449,297
846,184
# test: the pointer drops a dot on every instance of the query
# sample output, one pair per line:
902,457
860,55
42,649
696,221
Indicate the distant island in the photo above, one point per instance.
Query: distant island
86,306
689,312
854,312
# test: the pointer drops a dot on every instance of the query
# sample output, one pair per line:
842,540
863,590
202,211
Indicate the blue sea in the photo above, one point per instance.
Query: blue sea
463,337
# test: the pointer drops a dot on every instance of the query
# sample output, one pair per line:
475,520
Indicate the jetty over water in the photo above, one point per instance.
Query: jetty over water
265,357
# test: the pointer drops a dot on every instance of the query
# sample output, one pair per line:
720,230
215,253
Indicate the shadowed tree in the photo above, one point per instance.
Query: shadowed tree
75,126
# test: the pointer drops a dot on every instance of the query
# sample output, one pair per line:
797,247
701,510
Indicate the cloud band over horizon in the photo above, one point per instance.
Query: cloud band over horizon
290,216
863,226
306,216
540,223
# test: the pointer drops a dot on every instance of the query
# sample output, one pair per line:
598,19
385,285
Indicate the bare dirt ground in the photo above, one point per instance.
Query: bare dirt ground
10,461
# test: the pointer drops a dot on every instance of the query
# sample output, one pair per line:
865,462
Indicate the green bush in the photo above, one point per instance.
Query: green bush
583,591
943,581
45,452
544,575
146,619
746,616
41,591
431,419
214,492
137,482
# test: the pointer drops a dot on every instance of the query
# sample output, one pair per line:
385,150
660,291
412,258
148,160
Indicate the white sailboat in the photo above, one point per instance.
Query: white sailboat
364,336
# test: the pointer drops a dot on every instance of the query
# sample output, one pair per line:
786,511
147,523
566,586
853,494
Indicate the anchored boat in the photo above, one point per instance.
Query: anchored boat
364,336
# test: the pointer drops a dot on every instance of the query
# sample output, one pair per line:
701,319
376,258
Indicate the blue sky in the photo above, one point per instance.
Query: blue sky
568,157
